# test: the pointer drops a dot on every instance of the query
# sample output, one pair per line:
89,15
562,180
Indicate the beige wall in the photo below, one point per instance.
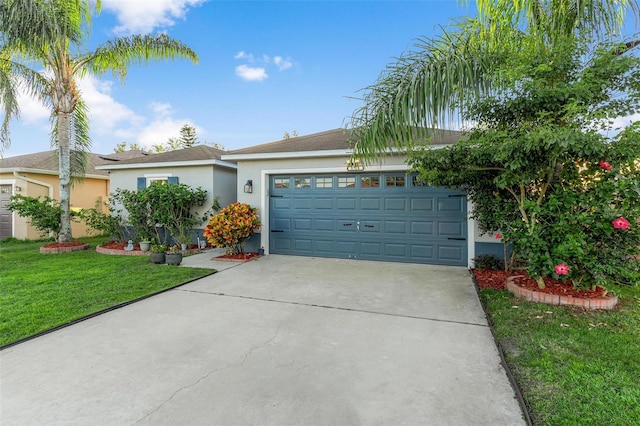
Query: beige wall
83,195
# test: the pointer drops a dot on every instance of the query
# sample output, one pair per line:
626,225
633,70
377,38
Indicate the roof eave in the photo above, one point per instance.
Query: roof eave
156,165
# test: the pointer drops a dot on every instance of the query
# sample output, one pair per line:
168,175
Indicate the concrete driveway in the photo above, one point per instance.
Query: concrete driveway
282,340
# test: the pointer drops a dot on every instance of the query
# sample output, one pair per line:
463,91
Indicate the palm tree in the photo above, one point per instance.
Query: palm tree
51,34
431,87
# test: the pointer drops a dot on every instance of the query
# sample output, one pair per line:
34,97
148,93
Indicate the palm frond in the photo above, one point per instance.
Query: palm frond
117,54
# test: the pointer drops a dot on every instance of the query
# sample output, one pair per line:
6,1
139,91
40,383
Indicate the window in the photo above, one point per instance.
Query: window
158,181
324,182
281,183
302,182
346,182
395,181
415,181
370,182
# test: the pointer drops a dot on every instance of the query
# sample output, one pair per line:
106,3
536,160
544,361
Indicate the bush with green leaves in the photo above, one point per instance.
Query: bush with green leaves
173,207
110,223
231,227
542,167
44,213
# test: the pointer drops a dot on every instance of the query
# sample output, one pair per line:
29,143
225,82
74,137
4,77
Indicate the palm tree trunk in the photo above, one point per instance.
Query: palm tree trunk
64,156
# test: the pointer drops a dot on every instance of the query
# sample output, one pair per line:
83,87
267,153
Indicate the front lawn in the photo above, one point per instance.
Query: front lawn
41,291
573,367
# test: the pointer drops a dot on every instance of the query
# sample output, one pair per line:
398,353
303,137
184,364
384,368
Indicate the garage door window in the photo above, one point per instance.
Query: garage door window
370,182
281,183
302,182
415,181
395,181
324,182
346,182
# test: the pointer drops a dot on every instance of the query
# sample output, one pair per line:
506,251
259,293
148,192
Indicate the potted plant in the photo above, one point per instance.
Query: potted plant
158,253
174,255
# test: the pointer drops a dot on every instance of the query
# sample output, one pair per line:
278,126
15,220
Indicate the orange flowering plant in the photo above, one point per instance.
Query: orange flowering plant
232,226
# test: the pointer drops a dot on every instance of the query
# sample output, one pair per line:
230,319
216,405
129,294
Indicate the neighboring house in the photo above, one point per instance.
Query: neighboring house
36,175
314,201
198,166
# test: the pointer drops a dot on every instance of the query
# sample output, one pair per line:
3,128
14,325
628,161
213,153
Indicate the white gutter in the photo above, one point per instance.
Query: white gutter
311,154
167,164
37,182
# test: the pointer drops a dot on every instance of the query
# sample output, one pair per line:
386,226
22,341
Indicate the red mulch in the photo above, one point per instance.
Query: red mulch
241,256
67,244
496,279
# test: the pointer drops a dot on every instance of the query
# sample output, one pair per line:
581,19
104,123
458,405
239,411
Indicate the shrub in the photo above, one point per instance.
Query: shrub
44,214
487,261
232,226
106,223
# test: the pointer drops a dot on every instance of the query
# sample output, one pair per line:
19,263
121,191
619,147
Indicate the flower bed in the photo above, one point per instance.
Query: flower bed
63,247
555,292
117,248
240,257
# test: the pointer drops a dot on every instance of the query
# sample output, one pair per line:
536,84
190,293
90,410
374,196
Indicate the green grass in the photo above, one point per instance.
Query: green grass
41,291
573,367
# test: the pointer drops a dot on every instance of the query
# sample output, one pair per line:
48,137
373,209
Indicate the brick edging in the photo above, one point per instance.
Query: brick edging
607,302
53,250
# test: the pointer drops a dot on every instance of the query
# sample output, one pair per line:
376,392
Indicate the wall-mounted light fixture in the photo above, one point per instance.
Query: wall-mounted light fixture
248,187
353,164
18,188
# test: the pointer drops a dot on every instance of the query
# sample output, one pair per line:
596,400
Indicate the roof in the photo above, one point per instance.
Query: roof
198,152
330,140
47,161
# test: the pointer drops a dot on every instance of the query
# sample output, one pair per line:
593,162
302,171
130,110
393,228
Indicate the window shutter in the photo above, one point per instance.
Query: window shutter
142,183
172,180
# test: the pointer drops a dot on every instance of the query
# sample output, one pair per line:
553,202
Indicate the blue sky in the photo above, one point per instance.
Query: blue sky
266,67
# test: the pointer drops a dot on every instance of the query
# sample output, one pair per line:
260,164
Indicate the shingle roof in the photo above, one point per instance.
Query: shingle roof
329,140
48,161
198,152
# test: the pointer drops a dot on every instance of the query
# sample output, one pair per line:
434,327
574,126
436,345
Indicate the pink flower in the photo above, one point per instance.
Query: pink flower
562,269
498,236
620,223
605,165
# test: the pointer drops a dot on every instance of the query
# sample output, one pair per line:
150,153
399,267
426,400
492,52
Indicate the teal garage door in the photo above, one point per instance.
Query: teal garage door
380,216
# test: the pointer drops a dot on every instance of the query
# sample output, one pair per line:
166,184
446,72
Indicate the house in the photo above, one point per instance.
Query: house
198,166
314,201
36,175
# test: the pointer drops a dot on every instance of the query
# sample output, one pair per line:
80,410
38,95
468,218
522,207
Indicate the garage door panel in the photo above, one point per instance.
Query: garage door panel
326,225
395,204
346,203
393,223
395,226
451,229
451,204
302,224
422,228
346,225
370,204
323,203
302,203
422,204
370,226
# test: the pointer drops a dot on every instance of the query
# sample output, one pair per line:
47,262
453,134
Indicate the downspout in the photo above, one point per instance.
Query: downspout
37,182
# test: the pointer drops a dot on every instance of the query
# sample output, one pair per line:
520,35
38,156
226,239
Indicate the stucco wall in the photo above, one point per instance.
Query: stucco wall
215,180
83,195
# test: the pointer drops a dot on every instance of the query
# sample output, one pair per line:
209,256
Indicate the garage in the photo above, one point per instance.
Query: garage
373,216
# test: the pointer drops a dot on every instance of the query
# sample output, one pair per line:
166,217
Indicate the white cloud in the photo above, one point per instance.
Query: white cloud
242,55
622,122
32,111
105,112
161,127
251,73
281,63
143,16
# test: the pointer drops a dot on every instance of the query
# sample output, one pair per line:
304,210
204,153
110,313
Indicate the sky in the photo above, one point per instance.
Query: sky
265,68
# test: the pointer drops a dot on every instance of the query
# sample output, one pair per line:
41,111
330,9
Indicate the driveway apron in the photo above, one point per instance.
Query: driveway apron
281,340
